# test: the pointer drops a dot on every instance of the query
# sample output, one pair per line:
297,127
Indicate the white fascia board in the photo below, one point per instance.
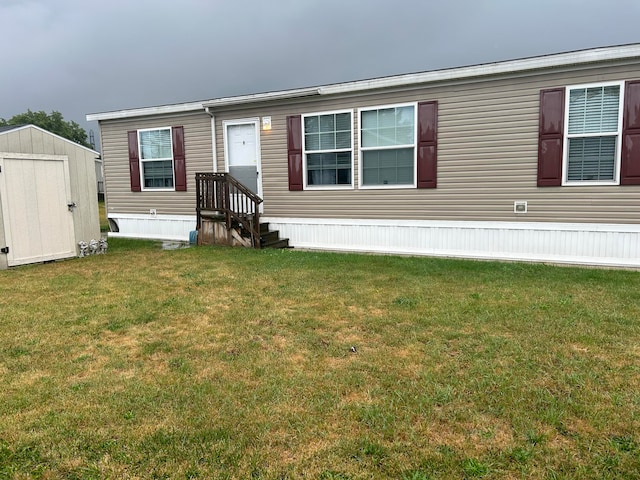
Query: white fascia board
262,97
141,112
510,66
196,106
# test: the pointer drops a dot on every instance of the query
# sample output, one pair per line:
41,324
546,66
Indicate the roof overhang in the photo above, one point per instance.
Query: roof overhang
262,97
488,69
142,112
520,66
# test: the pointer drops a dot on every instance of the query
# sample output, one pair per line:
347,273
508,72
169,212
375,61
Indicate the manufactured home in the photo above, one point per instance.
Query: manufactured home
535,159
48,196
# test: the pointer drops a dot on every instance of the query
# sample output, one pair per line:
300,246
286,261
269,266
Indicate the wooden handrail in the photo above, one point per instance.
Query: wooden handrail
223,194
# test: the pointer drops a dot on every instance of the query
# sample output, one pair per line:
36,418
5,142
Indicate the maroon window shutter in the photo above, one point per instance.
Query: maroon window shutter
427,144
134,161
630,160
179,166
550,137
294,151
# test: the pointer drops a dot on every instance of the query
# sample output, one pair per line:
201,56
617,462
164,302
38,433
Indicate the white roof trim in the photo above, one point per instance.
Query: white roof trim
17,129
262,97
509,66
140,112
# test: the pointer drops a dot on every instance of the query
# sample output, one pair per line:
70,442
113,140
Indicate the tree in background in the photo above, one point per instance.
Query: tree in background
53,122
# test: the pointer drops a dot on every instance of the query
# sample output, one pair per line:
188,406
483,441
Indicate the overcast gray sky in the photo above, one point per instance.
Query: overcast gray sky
80,57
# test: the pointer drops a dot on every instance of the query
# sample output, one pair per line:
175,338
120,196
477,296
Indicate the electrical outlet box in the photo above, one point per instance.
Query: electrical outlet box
519,207
152,211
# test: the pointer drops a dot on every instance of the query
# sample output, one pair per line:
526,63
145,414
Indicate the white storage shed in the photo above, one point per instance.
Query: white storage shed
48,196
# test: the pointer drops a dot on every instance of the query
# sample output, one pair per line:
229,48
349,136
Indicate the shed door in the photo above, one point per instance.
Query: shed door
38,224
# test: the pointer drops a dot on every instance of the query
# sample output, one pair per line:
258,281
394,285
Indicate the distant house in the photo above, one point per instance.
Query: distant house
535,159
48,196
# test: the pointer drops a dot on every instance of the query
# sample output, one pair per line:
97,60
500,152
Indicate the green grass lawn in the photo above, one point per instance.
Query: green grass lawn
236,363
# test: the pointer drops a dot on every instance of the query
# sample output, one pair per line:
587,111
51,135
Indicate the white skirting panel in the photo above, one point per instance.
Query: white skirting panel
157,227
574,243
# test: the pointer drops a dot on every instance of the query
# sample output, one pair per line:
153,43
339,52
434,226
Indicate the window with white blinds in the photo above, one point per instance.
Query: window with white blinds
388,146
156,158
328,149
593,133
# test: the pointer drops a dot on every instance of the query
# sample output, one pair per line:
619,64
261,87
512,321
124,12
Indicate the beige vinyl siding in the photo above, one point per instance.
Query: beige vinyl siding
81,172
487,156
198,153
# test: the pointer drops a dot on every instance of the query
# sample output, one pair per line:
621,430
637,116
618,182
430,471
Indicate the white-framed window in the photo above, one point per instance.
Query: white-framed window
156,159
388,146
592,143
327,140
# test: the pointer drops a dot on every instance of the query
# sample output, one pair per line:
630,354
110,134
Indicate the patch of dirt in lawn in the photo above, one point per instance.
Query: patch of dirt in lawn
28,378
478,436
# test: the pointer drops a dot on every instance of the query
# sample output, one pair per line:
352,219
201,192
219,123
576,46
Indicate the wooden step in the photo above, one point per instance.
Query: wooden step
269,236
280,243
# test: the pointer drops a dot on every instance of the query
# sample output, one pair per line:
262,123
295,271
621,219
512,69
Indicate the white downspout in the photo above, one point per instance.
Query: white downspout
213,139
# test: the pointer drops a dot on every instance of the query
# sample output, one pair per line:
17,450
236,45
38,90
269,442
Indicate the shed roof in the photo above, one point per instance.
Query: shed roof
519,66
8,128
11,128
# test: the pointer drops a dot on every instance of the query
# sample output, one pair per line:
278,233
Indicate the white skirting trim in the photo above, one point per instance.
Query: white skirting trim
616,245
156,227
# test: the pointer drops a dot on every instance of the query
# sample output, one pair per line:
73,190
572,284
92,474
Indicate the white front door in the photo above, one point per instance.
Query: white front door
242,153
38,223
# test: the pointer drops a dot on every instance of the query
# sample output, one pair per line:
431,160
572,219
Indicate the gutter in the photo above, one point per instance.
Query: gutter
214,148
